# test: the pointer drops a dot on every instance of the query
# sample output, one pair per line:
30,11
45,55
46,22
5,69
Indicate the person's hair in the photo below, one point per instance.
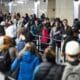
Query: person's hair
49,54
29,46
18,14
65,20
7,42
22,31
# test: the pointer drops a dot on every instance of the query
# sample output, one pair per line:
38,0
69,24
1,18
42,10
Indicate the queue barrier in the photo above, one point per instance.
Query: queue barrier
58,50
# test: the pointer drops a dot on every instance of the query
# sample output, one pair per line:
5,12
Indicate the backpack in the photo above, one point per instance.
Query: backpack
53,72
56,71
71,72
5,60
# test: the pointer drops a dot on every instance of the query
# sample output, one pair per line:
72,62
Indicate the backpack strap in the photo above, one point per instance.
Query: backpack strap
47,72
59,72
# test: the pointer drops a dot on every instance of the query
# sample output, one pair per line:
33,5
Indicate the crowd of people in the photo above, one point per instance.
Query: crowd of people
18,49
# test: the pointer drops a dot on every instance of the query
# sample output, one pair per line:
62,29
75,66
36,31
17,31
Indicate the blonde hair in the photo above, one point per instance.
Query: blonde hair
30,46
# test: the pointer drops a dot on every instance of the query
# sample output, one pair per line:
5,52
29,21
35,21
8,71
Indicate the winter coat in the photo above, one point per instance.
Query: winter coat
46,71
34,30
45,35
27,65
67,31
55,37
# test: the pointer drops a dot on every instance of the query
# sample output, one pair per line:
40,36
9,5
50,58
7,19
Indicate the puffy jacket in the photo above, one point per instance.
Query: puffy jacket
27,64
48,71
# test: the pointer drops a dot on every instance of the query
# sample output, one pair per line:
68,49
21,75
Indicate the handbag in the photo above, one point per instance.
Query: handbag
14,74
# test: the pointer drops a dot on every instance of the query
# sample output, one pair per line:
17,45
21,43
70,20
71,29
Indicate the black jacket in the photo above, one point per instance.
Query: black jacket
2,31
49,71
67,31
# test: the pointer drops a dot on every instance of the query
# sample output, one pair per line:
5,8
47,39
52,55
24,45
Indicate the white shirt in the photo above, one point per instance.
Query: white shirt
11,31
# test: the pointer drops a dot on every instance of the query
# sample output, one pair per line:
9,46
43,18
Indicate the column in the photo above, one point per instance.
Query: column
65,9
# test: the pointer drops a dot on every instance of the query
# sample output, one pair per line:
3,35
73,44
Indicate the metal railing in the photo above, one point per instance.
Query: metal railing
58,50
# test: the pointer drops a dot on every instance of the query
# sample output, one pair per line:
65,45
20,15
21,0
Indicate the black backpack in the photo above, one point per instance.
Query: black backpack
51,72
55,72
5,61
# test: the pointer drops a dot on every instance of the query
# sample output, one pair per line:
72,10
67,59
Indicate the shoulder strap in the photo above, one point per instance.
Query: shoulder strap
59,72
47,72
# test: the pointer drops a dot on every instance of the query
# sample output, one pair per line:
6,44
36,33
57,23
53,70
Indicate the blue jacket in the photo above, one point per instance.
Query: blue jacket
27,64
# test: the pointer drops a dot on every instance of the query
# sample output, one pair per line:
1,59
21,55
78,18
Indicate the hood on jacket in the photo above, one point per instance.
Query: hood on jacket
28,56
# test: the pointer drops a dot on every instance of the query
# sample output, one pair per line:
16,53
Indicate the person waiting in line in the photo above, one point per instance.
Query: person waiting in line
9,44
34,28
72,36
27,60
55,34
44,37
18,21
11,30
21,39
7,53
72,66
65,29
24,36
26,18
48,69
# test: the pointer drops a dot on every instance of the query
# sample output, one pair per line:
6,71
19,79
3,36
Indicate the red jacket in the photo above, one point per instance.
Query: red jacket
45,35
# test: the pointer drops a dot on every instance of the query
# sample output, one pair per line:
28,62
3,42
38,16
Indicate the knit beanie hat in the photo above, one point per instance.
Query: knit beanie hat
72,48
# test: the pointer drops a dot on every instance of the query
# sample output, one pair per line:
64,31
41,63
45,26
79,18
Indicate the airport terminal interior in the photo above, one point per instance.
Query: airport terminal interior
39,39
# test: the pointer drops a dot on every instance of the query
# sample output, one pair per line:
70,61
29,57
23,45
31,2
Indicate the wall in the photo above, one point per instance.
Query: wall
65,9
3,8
55,8
28,7
51,8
